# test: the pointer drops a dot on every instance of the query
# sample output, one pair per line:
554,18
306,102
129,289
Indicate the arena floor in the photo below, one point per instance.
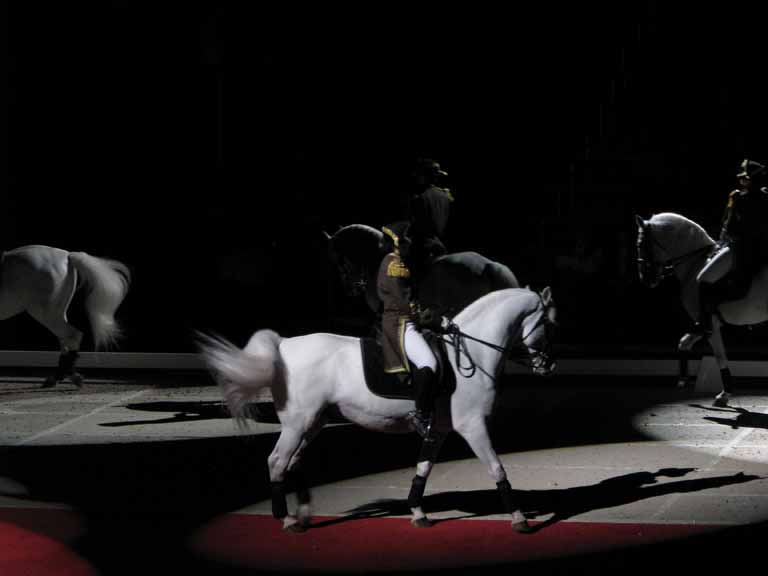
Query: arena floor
145,471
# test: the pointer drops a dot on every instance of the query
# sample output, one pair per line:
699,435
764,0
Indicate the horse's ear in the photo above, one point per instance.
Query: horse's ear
327,236
640,221
546,296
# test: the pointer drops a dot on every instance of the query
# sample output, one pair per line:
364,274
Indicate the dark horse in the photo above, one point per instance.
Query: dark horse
449,285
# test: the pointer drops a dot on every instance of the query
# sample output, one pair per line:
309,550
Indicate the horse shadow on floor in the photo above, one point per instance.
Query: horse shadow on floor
561,504
191,411
744,418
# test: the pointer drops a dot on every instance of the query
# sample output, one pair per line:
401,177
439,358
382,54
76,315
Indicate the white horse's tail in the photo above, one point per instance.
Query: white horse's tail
108,282
242,373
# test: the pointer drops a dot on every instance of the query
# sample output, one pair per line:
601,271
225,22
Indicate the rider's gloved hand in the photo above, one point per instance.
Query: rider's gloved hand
448,327
427,319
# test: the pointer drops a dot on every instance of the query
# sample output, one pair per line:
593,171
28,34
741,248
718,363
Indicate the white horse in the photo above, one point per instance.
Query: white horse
42,281
451,283
668,244
308,374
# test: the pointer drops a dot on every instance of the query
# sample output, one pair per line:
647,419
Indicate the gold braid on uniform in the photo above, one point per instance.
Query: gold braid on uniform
397,269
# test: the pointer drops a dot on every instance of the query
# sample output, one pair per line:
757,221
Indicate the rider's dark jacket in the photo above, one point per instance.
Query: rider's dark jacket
394,289
745,229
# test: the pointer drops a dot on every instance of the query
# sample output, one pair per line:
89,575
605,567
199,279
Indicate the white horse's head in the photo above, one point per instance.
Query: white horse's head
663,242
539,333
516,321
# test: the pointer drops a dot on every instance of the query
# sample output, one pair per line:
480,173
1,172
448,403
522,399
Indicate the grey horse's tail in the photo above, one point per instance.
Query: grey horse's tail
242,373
109,281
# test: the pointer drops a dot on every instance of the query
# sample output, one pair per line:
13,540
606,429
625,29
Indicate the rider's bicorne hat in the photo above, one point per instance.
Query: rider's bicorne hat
750,168
428,167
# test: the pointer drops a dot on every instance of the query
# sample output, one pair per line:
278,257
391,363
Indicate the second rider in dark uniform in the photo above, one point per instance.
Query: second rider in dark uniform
430,208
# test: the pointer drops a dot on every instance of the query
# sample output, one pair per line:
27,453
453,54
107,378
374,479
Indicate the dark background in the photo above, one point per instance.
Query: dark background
208,144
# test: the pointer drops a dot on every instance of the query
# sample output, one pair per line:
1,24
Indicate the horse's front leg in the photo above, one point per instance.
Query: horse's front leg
430,448
476,435
684,347
718,349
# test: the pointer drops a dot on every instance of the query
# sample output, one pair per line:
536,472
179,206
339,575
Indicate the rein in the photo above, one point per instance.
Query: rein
666,267
458,339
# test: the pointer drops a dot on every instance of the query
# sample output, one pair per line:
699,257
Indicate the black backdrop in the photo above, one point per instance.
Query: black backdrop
207,145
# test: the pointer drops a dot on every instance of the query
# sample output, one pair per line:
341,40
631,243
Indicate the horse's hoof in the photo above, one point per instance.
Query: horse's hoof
293,524
77,380
721,400
688,341
522,527
50,382
305,515
422,522
685,383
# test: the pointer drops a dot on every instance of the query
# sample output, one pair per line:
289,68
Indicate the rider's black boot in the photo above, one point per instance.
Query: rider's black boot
424,387
707,306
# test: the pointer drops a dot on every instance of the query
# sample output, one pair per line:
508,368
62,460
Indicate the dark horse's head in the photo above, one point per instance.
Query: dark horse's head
355,252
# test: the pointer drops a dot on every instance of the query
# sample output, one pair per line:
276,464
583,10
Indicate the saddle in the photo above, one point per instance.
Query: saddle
399,386
735,284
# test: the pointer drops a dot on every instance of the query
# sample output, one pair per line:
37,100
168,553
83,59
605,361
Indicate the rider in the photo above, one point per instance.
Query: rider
743,244
430,208
401,338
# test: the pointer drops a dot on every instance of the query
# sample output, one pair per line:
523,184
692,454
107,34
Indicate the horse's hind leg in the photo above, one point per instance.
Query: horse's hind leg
69,338
286,456
296,470
718,348
430,448
476,435
53,315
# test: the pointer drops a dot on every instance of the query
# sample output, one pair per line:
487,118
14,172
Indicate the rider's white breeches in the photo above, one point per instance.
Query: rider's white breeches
716,267
417,349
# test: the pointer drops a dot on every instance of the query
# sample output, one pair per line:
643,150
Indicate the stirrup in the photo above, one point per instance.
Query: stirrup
421,424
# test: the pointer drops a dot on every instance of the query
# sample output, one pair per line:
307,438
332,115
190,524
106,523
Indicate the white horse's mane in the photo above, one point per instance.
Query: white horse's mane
365,227
490,300
681,230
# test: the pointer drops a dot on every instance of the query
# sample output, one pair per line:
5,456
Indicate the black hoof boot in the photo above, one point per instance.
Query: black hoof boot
50,382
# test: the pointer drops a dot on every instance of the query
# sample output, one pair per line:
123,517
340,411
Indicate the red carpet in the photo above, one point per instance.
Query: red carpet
392,544
32,542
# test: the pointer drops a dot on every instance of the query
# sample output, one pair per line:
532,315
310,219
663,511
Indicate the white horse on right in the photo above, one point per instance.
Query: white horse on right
671,244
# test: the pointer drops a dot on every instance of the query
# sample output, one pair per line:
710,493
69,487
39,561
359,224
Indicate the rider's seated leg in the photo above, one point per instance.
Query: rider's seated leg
707,307
424,378
424,387
713,272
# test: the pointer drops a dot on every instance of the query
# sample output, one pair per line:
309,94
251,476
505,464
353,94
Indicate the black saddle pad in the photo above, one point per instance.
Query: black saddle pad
396,386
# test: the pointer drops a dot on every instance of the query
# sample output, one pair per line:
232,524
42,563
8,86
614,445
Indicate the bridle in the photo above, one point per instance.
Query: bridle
520,352
649,267
355,279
